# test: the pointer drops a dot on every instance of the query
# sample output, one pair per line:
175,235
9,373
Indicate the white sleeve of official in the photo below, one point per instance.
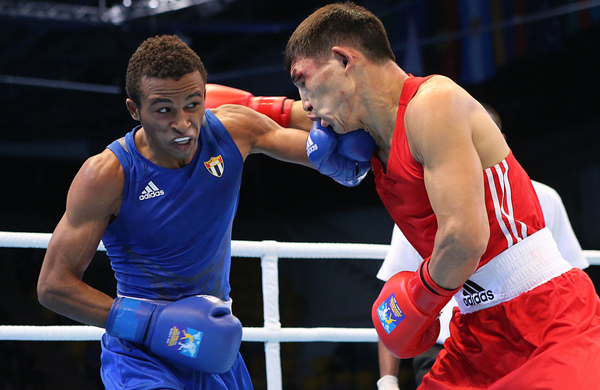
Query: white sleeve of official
558,223
402,256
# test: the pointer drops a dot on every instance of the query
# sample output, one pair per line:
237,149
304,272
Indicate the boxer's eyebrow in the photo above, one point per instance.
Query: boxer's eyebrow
159,101
193,95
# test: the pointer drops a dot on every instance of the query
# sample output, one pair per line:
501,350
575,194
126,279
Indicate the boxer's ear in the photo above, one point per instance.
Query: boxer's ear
345,55
133,109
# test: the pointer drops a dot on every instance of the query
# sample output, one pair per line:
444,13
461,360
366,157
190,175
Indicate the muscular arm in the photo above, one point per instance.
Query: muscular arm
94,197
256,133
442,140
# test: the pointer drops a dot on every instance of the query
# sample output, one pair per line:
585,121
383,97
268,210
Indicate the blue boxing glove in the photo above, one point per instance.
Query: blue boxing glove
357,145
323,151
197,332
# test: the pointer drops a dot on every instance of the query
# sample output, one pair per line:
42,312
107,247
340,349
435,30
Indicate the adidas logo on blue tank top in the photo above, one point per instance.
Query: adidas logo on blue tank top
151,191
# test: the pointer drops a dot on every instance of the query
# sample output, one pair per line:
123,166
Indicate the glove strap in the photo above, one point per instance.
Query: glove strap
278,108
427,295
128,319
430,284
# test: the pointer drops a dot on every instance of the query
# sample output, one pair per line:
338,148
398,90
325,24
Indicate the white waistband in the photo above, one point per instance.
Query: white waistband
521,268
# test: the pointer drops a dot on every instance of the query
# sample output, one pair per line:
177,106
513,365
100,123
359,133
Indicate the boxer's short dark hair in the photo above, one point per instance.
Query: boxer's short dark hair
336,25
163,56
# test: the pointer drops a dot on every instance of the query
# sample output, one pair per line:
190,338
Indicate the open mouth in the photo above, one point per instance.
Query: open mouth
183,140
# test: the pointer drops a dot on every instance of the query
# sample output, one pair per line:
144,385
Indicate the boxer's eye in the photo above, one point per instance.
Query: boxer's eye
299,80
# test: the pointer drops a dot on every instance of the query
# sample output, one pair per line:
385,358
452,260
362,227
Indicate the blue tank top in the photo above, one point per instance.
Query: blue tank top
172,237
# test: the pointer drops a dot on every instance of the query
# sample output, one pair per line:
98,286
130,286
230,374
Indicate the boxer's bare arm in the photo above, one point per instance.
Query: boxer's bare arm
256,133
442,140
94,197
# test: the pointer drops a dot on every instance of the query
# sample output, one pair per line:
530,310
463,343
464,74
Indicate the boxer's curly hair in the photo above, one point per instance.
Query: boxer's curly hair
339,24
163,56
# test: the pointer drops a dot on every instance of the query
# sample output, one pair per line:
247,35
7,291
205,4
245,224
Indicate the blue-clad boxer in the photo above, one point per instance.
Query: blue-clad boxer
162,200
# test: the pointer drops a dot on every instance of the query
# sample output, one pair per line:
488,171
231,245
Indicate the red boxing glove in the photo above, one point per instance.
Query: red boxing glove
406,312
278,108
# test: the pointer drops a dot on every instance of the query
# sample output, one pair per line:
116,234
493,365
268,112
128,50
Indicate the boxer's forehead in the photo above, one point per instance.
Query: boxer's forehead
303,68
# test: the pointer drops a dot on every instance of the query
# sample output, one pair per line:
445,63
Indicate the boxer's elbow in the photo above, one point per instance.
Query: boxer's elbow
46,293
475,240
50,291
459,245
468,241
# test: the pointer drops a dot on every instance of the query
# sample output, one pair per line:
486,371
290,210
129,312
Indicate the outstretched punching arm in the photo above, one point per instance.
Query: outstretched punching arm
343,157
286,112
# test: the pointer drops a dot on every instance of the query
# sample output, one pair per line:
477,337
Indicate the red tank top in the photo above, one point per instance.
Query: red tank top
512,206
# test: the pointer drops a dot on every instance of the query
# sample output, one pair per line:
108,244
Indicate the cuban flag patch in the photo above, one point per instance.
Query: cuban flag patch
215,166
389,314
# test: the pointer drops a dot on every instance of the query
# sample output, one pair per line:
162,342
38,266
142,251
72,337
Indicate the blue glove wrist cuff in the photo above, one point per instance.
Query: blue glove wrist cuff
128,319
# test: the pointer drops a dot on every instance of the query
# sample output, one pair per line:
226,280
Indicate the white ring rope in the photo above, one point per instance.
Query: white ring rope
289,250
92,333
272,334
239,249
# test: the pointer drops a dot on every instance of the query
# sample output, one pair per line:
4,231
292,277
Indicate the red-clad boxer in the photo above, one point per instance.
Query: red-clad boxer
527,319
